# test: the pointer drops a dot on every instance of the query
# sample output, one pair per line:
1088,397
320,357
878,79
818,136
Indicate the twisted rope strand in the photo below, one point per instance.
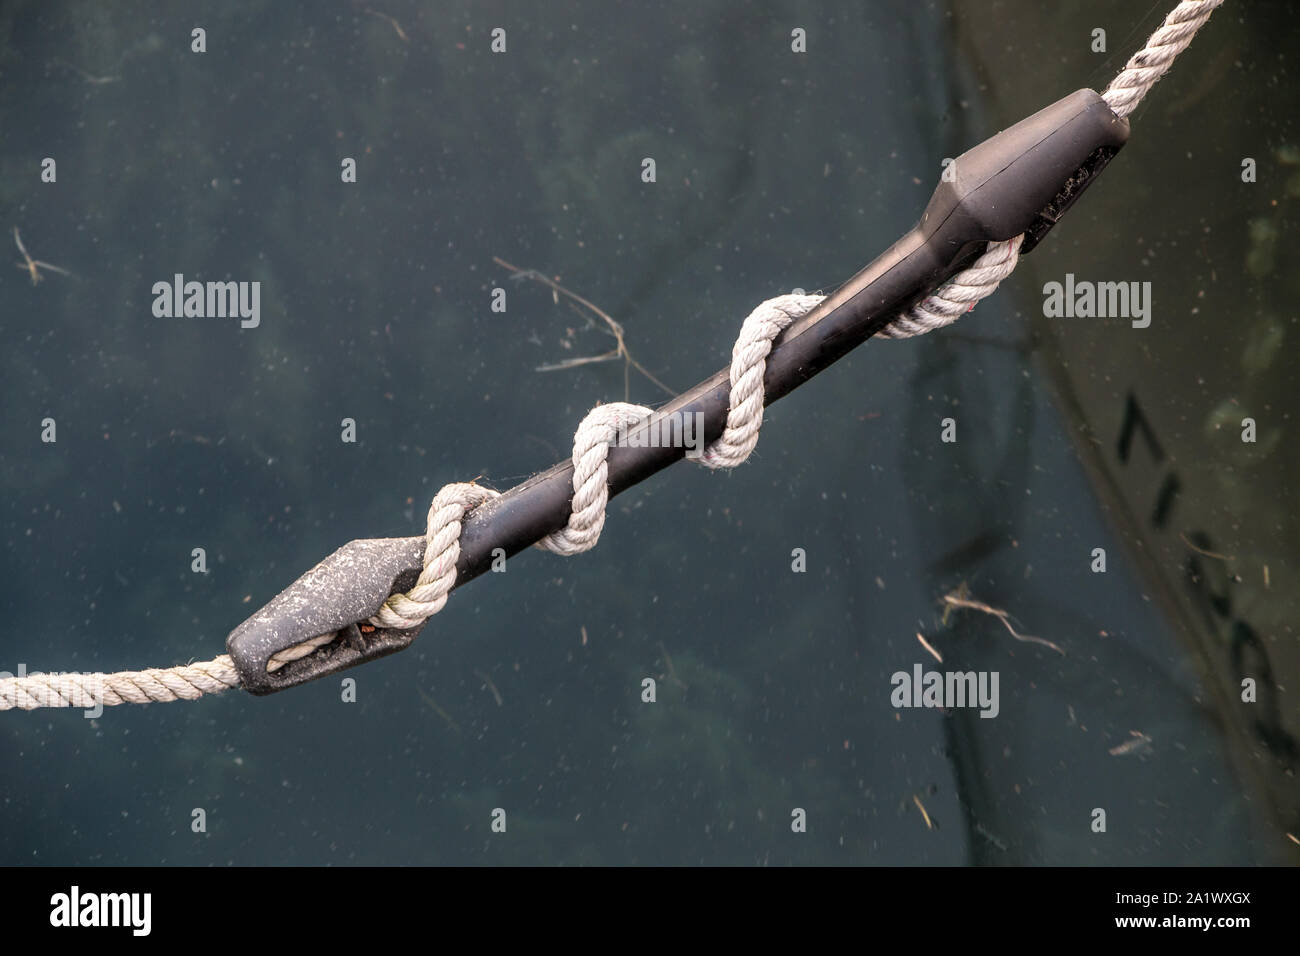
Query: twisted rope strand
591,476
958,296
748,366
88,691
1153,61
442,532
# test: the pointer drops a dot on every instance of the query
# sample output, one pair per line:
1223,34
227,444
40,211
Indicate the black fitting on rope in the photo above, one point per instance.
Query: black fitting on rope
1024,179
1020,181
337,596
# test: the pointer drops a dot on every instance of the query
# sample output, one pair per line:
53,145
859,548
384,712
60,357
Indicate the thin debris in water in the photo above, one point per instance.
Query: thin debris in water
672,672
960,599
487,682
929,825
396,26
1208,554
926,644
32,266
1000,844
433,704
612,329
1138,743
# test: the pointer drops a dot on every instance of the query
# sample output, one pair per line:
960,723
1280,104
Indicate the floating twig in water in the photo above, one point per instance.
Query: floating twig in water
88,77
960,599
925,816
1138,742
926,644
32,266
613,329
672,673
1001,845
438,710
1208,554
396,26
496,694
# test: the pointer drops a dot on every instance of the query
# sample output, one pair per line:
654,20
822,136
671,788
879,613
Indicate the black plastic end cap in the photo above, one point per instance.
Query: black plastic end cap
1023,179
337,595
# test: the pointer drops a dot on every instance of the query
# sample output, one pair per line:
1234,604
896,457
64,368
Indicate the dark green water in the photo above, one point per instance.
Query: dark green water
774,170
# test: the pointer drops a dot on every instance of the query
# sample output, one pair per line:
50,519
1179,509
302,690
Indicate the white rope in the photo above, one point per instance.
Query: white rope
591,442
299,651
442,533
958,295
1150,63
89,691
591,476
748,366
